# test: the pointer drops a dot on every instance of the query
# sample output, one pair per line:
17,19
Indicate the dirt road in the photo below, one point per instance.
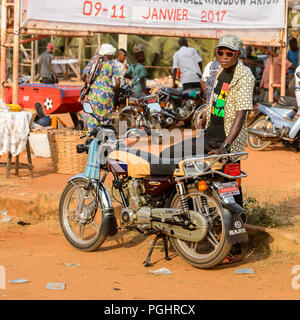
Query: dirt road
38,252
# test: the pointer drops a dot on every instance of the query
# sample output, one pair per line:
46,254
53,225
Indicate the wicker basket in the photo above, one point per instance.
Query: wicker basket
65,159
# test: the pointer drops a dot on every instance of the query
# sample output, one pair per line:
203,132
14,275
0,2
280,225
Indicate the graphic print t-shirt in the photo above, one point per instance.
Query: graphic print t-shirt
216,128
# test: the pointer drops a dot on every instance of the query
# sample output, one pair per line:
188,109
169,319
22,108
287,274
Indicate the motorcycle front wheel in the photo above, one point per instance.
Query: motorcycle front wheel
215,246
81,227
255,142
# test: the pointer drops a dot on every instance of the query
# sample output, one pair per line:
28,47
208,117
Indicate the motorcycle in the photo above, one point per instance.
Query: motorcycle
142,111
178,105
189,202
278,122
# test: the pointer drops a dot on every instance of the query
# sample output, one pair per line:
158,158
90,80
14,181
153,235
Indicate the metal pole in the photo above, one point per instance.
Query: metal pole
3,49
16,52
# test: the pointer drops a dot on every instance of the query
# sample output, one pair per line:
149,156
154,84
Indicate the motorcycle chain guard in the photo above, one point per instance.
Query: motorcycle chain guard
198,233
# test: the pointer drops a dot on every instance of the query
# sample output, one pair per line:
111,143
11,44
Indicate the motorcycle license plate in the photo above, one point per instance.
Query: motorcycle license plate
228,189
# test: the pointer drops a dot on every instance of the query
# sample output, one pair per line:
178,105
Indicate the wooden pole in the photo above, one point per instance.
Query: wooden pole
80,46
283,72
271,80
3,49
16,52
122,41
32,71
284,51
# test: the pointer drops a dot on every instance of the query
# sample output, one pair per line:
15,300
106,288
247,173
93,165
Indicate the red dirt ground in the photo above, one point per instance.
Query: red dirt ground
37,252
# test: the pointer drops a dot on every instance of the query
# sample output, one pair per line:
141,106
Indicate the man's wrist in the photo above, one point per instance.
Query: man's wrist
226,146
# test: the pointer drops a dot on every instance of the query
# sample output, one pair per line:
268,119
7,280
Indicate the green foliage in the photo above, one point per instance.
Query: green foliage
159,51
264,216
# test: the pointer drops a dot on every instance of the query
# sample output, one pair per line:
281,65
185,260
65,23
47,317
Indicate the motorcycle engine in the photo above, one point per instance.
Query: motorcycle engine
136,190
135,194
187,109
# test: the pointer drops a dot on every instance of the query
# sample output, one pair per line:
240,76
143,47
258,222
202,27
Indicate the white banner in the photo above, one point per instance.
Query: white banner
175,14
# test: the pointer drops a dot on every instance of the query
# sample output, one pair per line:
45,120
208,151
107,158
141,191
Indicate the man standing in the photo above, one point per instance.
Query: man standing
231,98
138,71
122,66
45,69
188,61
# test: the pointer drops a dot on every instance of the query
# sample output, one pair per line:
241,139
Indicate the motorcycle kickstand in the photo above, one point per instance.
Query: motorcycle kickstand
165,238
158,236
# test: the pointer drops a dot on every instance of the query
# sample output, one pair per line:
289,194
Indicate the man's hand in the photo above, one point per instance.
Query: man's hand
221,150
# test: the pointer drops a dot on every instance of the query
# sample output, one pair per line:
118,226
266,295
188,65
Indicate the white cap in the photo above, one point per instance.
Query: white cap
107,50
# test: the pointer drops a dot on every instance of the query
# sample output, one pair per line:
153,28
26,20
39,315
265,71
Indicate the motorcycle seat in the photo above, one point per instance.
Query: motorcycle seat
141,163
174,92
138,95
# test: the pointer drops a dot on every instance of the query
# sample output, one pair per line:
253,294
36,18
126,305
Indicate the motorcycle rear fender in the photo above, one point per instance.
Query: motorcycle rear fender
109,225
234,218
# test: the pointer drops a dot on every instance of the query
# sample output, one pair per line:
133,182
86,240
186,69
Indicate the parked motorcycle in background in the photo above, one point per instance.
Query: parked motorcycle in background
278,122
187,201
178,105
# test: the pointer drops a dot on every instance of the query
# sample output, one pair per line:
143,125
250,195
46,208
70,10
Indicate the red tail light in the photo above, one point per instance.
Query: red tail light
232,169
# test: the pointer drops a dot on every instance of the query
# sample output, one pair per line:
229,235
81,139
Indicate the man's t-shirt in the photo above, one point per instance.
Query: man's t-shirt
216,129
186,59
44,59
137,70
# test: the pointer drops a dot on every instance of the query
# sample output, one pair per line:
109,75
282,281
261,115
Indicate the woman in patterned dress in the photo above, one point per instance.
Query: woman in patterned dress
101,93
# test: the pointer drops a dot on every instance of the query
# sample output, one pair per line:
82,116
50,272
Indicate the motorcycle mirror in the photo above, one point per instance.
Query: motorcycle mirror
87,108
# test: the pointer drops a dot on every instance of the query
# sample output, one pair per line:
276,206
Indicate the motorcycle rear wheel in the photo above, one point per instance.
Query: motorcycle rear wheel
215,246
255,142
198,116
81,229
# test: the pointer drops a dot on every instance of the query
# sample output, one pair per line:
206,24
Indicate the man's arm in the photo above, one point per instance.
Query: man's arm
234,131
51,70
128,73
175,69
174,74
200,65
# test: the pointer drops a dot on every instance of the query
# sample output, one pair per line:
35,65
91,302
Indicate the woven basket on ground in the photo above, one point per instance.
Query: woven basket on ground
65,159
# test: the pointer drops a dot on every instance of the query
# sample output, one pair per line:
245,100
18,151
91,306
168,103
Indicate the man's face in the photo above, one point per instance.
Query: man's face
293,45
140,57
121,56
227,57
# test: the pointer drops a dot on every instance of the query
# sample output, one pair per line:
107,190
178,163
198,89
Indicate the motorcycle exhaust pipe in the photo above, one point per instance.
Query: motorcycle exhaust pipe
262,134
